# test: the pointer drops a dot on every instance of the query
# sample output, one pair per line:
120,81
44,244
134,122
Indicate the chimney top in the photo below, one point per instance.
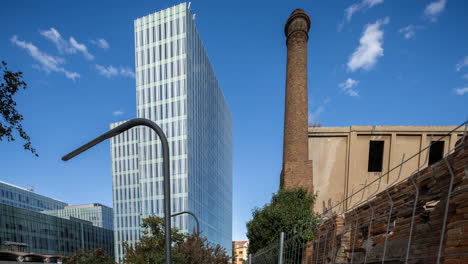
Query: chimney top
297,14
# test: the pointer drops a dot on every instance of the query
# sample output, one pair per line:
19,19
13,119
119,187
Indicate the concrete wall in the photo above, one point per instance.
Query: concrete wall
340,158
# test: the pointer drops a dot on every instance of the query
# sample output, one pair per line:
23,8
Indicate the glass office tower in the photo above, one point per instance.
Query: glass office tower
176,87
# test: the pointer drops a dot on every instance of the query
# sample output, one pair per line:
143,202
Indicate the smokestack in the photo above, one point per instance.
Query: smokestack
297,168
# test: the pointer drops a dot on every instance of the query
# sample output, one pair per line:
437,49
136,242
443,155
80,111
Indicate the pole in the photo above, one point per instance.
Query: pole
192,214
281,247
165,151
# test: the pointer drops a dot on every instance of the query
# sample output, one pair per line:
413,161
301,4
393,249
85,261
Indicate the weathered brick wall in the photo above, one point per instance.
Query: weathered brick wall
365,234
297,168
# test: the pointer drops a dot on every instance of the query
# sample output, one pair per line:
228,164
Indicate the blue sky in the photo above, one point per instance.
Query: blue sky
371,62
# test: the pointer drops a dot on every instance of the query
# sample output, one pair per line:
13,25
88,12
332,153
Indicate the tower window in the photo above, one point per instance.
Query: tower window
436,151
376,148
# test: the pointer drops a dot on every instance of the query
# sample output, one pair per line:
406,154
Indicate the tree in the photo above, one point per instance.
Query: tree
10,119
84,256
197,250
289,211
186,248
150,248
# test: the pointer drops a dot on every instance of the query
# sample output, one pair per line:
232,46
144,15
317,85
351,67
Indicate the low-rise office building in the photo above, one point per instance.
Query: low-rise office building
26,232
46,234
99,215
26,198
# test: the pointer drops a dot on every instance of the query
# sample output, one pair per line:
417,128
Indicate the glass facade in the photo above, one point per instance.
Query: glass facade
46,234
99,215
24,198
125,188
176,87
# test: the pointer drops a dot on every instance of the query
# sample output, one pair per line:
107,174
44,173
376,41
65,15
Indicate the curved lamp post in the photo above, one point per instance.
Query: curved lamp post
165,151
192,214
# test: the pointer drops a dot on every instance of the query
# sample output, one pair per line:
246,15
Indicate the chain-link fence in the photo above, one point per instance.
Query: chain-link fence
417,218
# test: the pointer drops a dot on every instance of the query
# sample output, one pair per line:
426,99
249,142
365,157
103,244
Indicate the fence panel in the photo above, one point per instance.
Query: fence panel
419,218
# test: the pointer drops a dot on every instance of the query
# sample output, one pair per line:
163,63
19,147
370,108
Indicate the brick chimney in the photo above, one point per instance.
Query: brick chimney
297,168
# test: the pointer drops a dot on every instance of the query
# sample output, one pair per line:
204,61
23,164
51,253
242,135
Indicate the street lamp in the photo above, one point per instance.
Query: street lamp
192,214
166,161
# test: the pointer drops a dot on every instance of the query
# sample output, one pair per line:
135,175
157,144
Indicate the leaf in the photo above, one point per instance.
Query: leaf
289,211
10,119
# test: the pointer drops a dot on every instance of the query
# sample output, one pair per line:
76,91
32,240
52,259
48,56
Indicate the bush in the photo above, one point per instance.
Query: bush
289,211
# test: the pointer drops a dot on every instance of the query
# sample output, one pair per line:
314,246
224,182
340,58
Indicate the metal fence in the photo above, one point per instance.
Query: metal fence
417,218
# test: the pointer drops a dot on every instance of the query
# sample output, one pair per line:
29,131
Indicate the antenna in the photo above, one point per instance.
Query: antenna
189,4
30,187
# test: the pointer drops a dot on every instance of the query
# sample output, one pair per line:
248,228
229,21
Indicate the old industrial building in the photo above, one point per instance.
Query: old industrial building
386,194
346,158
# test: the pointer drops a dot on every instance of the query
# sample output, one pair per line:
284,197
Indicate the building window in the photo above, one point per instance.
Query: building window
376,148
436,151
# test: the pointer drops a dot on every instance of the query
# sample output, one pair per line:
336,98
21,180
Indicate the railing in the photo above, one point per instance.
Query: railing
417,218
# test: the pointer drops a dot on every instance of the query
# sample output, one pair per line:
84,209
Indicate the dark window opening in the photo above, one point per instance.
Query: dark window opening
436,151
376,148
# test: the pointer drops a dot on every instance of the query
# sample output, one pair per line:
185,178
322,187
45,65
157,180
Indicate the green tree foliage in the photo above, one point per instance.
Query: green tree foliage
84,256
289,211
197,250
185,249
150,248
10,119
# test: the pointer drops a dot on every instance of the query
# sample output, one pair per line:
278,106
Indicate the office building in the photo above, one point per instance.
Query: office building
99,215
40,233
346,158
176,87
27,198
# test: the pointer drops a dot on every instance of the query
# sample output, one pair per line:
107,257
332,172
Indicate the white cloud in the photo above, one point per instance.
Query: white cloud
348,87
462,64
111,71
364,4
314,116
81,48
370,47
409,31
117,113
434,9
48,63
461,91
70,47
125,71
349,83
53,35
101,43
465,76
